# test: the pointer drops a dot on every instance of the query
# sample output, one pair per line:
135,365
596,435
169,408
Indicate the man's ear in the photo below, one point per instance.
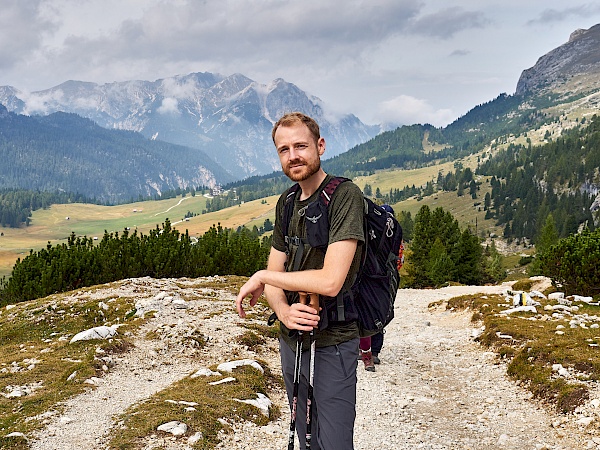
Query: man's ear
321,146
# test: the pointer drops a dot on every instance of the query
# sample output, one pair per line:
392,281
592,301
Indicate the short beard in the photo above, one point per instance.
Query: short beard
309,171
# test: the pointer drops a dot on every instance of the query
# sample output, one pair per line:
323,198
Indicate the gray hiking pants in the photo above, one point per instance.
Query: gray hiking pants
334,394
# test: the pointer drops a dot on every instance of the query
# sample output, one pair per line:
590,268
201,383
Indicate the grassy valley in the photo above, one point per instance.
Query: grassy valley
51,225
56,223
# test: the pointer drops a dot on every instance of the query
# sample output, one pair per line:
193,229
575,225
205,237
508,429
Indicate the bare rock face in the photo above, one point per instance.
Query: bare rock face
574,65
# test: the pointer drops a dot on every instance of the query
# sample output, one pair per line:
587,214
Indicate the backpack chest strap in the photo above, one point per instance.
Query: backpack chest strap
297,242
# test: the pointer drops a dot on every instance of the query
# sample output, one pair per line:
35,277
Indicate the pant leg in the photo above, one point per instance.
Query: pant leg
377,343
334,405
288,363
365,343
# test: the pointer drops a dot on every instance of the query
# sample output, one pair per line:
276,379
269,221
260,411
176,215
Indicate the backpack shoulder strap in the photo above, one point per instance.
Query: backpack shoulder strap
330,188
288,208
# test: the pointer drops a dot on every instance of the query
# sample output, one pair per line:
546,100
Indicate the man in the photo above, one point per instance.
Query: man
326,273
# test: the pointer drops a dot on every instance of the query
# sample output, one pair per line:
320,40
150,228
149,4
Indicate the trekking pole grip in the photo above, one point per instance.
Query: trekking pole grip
310,299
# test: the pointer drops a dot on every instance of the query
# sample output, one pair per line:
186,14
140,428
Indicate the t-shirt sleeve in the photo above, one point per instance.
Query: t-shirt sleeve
346,213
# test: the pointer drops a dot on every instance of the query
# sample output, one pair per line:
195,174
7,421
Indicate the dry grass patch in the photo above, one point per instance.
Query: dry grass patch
36,358
206,409
532,343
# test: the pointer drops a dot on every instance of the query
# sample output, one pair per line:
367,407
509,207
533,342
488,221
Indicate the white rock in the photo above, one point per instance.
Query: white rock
224,380
102,332
204,372
579,298
94,381
195,438
585,421
175,428
16,434
229,366
519,309
15,393
556,295
477,332
262,402
160,295
180,303
72,376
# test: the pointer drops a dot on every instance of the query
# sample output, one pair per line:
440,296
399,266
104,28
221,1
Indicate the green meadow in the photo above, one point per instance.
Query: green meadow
56,223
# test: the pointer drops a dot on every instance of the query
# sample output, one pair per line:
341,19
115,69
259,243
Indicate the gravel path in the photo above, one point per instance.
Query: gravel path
435,389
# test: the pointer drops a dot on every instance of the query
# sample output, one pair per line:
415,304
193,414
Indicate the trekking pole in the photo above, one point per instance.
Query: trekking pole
297,365
313,301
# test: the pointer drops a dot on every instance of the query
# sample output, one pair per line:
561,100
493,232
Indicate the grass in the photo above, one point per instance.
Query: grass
398,179
51,225
56,223
216,408
36,355
531,343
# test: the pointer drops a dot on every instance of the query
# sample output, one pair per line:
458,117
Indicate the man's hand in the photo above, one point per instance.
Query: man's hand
255,287
298,317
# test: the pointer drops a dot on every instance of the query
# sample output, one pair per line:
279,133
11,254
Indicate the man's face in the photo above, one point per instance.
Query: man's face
299,154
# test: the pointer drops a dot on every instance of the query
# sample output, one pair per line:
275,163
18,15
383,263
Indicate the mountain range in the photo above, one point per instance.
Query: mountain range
229,118
220,126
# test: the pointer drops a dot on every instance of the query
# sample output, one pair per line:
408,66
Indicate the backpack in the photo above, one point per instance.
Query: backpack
371,298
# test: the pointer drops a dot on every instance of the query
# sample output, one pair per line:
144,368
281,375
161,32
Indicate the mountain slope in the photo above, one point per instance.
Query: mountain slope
229,118
574,65
68,153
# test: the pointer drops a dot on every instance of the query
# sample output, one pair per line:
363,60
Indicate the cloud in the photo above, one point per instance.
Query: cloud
551,15
179,88
445,23
38,103
23,28
460,52
405,109
223,36
169,106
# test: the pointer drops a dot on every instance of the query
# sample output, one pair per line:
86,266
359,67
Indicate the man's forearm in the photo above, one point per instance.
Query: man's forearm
314,281
276,298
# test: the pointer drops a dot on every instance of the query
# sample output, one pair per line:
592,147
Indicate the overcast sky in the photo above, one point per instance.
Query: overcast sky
401,61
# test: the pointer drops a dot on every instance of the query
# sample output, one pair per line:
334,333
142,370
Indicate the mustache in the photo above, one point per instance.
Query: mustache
292,162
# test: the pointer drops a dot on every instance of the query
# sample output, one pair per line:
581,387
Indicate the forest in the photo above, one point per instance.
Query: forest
163,253
558,178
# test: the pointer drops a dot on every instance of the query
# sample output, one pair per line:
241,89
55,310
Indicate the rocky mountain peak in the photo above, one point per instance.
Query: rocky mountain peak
227,117
572,67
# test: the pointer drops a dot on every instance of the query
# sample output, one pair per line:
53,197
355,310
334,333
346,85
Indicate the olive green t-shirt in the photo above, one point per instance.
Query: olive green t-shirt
345,213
